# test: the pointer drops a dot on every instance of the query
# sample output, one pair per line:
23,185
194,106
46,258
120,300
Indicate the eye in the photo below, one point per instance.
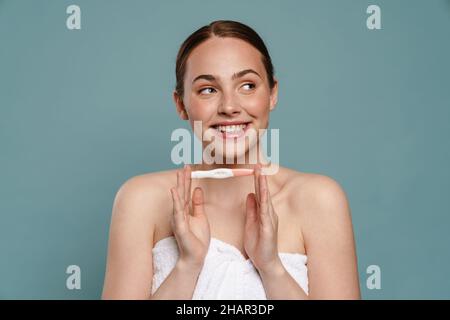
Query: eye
201,91
252,86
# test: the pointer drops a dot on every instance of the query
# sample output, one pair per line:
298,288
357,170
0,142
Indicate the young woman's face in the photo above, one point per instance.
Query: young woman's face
226,88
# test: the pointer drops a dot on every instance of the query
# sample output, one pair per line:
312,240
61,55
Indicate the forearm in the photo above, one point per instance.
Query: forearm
179,284
279,284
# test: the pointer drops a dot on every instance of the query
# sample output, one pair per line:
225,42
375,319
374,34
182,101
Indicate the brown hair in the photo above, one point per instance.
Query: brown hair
221,28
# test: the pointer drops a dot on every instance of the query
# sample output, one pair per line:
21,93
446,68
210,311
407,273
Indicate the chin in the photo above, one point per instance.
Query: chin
237,152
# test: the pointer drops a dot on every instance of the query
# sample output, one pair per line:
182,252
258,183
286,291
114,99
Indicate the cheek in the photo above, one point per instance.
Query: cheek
258,104
200,109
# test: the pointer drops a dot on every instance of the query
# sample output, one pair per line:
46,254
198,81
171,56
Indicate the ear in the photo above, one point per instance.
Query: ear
181,110
274,95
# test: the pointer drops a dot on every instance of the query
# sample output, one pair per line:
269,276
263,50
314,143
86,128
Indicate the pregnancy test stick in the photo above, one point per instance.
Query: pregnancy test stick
221,173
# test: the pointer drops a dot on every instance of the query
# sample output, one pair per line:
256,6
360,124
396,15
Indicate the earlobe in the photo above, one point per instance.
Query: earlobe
184,115
274,96
273,104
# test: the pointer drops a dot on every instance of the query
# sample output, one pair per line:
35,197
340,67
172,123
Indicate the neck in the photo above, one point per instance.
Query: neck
230,190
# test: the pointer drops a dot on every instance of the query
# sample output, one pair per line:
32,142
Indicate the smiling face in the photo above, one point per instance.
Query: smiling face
227,89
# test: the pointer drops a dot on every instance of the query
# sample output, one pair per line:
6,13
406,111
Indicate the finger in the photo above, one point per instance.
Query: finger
187,178
270,208
250,209
178,212
198,208
264,185
271,211
256,177
264,203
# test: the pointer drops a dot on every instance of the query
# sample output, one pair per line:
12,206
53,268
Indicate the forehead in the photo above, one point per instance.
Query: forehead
223,57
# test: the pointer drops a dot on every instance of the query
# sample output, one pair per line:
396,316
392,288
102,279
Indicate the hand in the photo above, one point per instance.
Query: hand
261,226
189,223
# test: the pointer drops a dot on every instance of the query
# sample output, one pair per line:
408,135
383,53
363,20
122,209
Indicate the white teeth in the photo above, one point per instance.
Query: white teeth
232,128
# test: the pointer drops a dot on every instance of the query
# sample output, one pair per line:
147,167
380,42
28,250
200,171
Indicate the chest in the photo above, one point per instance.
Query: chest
227,223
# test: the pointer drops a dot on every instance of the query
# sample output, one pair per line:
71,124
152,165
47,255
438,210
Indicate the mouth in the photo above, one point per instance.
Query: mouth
231,130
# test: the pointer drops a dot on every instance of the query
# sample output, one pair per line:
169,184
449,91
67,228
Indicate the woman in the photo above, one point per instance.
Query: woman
286,235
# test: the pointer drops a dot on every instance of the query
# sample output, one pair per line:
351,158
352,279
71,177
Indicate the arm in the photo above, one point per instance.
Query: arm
129,270
137,206
279,284
129,262
192,232
260,243
328,233
261,236
179,284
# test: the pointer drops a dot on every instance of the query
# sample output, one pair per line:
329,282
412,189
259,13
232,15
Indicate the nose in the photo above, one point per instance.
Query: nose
229,105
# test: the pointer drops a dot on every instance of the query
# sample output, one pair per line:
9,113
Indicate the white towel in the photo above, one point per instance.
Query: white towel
226,274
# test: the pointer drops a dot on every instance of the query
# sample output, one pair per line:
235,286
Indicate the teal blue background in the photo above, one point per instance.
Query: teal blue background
82,111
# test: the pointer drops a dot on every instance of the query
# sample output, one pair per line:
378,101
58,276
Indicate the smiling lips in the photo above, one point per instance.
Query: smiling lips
231,130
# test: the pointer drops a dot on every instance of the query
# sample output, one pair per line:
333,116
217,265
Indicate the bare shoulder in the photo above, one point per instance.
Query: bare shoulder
313,195
143,195
137,207
323,209
142,185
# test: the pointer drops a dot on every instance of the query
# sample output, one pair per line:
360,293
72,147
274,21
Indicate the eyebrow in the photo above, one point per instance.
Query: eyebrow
236,75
